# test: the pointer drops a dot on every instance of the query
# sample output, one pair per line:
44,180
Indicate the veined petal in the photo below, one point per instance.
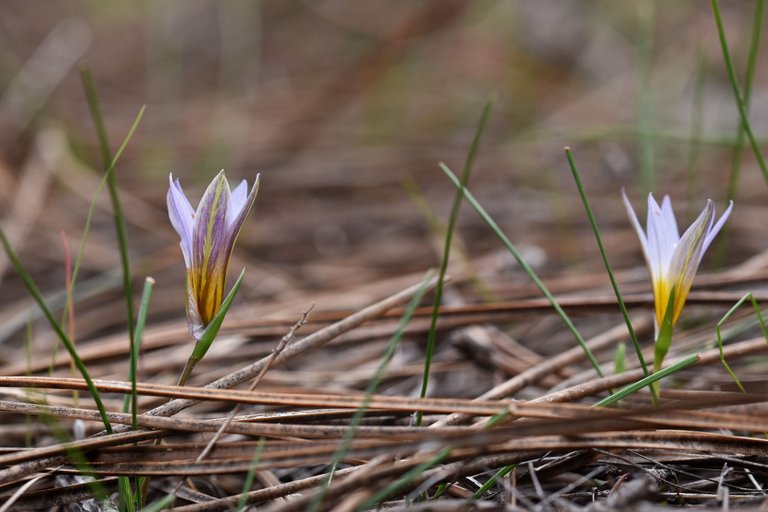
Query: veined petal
182,217
687,256
207,238
209,255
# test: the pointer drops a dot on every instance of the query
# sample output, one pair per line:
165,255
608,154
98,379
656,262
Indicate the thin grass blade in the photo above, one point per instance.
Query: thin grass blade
122,234
649,380
524,265
370,390
251,475
740,100
601,247
37,296
719,336
468,164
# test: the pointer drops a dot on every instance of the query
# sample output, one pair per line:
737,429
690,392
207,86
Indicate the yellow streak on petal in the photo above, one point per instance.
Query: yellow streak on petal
661,292
209,294
680,297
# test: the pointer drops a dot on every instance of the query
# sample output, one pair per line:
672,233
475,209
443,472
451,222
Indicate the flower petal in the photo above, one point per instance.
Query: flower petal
639,231
669,218
718,226
194,322
239,219
239,196
182,217
668,231
688,254
209,255
207,238
658,242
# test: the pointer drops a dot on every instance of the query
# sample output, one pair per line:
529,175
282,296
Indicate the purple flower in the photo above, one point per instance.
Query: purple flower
208,237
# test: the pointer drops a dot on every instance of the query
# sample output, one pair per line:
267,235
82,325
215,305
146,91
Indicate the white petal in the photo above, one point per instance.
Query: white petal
640,233
718,226
237,201
658,246
670,223
182,217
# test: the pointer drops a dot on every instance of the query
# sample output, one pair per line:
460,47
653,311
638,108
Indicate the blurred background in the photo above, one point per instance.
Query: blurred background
346,108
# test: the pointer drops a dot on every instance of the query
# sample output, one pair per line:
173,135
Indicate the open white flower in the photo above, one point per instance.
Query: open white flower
673,259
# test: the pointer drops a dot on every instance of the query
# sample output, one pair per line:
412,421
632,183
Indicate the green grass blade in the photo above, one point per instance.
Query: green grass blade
122,235
135,348
211,330
125,494
69,292
404,480
740,101
647,381
719,336
524,265
754,46
468,164
492,481
620,359
439,230
738,148
37,296
373,385
601,247
249,477
89,86
644,109
161,504
697,127
102,183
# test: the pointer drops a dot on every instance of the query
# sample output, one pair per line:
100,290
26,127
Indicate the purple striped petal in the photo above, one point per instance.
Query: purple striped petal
209,255
208,237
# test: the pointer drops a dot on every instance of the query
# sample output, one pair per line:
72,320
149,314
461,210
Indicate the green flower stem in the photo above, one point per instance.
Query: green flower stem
664,337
